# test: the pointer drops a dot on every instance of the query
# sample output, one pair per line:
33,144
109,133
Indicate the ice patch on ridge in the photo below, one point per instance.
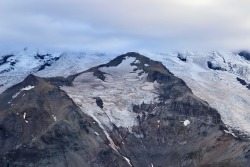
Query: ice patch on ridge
121,89
186,122
26,88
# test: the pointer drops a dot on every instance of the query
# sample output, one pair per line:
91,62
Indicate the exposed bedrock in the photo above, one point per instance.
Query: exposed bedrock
129,112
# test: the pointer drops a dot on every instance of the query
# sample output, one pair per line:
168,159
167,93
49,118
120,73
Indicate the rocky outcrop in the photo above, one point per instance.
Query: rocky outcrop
162,139
43,127
243,82
214,66
244,54
40,125
4,59
182,57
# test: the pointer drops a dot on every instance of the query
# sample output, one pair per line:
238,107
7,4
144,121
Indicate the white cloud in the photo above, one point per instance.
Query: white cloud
125,24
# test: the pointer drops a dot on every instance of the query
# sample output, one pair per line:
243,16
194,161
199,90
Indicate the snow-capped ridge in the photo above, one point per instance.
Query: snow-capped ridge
220,86
14,67
122,87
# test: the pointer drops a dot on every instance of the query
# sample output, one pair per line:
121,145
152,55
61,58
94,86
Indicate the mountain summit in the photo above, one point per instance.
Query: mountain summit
131,111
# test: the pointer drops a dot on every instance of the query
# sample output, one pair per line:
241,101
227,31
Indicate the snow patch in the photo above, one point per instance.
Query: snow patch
24,115
137,61
231,133
23,89
54,117
15,95
28,88
127,161
148,86
186,122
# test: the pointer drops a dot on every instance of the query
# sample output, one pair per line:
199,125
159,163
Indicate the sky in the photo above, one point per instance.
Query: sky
125,25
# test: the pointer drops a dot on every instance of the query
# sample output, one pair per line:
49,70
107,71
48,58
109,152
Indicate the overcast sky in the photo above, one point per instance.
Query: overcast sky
102,25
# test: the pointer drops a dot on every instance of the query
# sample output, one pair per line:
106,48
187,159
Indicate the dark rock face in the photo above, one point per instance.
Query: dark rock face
48,62
4,59
214,67
99,74
43,66
99,101
243,82
182,57
245,55
44,127
163,140
53,132
40,56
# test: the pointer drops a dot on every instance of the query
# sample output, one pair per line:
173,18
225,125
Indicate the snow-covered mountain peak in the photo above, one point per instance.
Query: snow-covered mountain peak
120,85
14,67
131,111
217,78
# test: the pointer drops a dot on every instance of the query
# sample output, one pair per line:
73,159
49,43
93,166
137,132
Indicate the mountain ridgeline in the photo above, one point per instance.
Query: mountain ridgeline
131,111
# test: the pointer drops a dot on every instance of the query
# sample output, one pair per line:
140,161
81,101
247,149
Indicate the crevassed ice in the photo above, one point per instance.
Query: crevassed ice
219,88
121,89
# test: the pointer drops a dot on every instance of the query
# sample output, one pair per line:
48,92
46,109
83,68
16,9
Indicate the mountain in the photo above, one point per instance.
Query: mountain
16,66
220,78
131,111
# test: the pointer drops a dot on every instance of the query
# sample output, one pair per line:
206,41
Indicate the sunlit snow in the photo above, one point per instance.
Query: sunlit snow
54,117
186,122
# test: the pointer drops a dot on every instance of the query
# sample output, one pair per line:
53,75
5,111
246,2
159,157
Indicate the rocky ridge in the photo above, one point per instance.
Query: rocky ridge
43,123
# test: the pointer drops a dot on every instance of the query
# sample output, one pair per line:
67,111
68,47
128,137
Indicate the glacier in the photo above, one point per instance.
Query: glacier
219,88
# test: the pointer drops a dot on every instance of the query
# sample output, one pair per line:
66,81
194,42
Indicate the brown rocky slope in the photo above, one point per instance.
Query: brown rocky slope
43,126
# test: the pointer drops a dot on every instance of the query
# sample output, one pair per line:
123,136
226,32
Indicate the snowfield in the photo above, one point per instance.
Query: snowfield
219,88
121,89
16,66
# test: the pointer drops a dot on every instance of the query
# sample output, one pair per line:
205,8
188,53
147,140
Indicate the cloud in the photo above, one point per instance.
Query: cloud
125,25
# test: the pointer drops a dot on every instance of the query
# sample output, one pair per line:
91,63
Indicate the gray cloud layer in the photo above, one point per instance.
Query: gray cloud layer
125,24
